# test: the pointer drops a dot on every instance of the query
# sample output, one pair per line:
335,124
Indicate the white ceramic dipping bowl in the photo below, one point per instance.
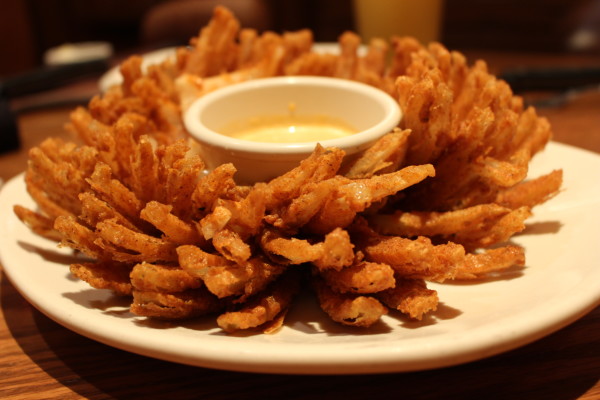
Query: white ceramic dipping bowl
369,110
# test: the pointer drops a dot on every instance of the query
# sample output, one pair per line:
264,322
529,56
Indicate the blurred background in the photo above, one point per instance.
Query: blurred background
28,28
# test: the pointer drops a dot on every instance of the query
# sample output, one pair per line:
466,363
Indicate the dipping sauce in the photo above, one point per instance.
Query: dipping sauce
289,128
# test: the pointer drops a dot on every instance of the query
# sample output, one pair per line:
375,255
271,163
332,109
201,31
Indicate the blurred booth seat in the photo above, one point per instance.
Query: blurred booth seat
176,21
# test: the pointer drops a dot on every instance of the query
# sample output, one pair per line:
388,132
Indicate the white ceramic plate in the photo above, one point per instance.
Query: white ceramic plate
559,285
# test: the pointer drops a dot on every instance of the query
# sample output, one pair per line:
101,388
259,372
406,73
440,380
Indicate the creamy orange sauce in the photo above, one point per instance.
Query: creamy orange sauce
289,128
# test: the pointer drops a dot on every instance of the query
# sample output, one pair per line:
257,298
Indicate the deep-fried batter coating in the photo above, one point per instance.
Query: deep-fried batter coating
491,260
412,258
225,278
212,186
411,297
94,210
306,205
320,165
416,258
348,309
56,175
246,214
176,230
334,252
480,132
531,193
79,237
265,306
356,195
473,227
115,192
231,246
149,248
38,223
173,306
383,156
337,251
146,277
105,275
361,277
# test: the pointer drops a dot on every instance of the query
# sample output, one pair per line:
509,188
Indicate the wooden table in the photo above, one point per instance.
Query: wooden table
40,359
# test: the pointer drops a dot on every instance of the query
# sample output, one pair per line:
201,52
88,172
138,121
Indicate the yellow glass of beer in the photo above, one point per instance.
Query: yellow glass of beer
385,18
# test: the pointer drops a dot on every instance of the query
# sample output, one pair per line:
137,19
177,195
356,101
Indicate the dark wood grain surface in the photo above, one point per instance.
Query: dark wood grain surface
40,359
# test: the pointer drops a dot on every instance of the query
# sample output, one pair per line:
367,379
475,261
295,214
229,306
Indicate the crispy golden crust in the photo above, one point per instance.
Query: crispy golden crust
105,275
188,304
146,277
473,227
361,277
411,297
265,306
352,310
